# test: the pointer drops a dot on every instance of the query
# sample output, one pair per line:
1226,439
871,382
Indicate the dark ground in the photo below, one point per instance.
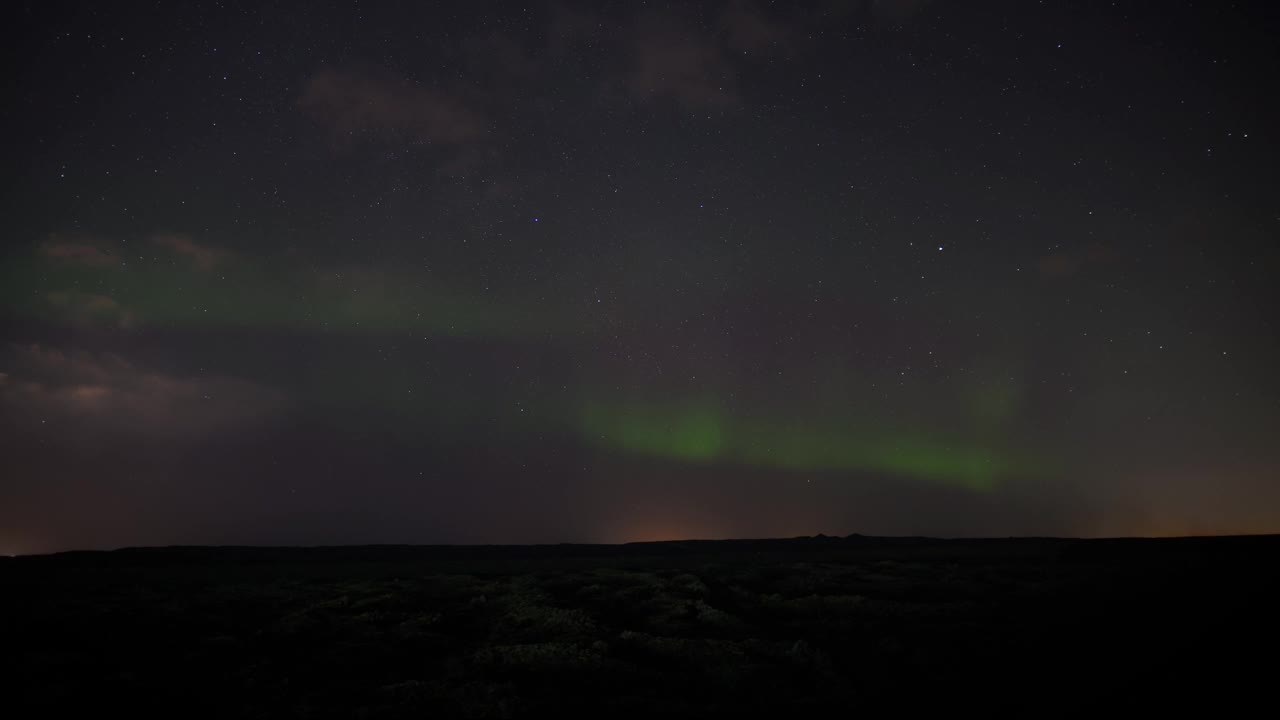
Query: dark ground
782,627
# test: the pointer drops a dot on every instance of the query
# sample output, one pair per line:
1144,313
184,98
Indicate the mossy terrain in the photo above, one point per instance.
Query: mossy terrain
776,627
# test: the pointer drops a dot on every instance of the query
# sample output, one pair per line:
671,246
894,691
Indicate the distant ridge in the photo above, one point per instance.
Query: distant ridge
854,542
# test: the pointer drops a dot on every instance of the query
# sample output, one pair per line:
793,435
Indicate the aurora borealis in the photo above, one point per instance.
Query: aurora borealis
583,272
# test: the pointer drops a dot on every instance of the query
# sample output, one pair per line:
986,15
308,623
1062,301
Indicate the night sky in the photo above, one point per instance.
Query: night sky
602,272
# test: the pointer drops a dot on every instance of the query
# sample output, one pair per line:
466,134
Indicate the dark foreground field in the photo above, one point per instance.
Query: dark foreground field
790,628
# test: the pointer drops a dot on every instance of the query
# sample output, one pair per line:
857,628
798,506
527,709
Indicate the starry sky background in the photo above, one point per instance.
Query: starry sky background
601,272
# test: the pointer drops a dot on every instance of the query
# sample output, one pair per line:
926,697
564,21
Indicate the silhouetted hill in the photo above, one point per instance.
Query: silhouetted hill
787,626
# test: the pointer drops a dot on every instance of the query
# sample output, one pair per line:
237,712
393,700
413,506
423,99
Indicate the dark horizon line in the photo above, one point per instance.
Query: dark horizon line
820,537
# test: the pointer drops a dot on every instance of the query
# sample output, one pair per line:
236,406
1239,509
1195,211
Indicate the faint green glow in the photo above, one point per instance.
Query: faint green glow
155,293
903,454
700,432
809,436
691,433
996,402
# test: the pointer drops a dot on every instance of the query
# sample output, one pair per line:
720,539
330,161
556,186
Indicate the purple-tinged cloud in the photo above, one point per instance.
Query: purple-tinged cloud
80,390
370,103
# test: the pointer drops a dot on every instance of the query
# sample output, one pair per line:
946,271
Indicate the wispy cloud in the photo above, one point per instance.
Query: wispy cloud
90,308
80,252
572,25
47,384
749,29
375,103
673,61
205,257
897,10
1066,264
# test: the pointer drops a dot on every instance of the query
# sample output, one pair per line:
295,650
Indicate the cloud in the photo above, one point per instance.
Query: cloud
78,252
90,308
204,257
49,385
673,61
1067,264
571,25
748,29
494,60
362,102
1059,265
897,11
891,11
91,253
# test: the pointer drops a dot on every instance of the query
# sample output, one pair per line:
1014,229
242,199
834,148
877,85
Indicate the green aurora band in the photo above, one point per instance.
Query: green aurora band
699,433
159,293
162,292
